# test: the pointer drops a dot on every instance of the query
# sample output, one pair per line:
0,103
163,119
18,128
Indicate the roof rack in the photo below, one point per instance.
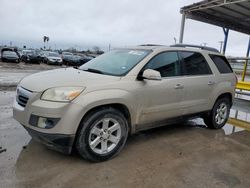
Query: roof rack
195,46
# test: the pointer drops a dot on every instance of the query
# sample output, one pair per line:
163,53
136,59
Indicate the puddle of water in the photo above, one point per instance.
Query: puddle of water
230,129
236,114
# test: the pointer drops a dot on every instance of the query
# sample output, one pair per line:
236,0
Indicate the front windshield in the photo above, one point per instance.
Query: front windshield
67,53
30,53
116,62
25,52
54,54
9,53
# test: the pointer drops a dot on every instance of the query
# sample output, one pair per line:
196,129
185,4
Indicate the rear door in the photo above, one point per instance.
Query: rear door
199,82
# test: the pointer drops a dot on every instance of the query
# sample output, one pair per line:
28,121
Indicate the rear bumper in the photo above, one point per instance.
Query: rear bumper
59,142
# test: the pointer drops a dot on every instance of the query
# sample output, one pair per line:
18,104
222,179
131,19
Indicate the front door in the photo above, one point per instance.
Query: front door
164,97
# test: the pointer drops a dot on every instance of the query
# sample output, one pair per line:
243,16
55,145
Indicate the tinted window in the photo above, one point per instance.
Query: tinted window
166,63
221,63
194,64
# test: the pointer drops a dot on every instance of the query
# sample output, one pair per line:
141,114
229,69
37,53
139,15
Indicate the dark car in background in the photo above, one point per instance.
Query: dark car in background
9,56
53,58
65,55
85,59
71,59
31,56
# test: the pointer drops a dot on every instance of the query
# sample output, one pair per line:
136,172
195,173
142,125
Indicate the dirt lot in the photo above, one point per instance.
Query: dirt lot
183,155
11,73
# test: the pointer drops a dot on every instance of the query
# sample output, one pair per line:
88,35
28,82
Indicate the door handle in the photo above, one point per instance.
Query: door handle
178,86
210,83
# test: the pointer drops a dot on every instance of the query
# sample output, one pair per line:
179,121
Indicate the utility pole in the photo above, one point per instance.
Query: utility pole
204,44
175,40
221,44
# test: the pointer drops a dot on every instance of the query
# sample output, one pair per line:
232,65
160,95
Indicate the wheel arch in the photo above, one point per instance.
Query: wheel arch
118,106
227,95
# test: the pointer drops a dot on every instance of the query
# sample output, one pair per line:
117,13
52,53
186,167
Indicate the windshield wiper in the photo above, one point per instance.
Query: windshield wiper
93,70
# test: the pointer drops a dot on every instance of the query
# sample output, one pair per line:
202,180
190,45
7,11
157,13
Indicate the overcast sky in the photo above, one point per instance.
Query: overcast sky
87,23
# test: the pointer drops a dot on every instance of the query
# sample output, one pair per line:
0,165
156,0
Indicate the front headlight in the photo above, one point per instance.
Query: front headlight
61,94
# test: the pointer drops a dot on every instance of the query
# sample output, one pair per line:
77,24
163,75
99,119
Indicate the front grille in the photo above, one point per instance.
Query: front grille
22,96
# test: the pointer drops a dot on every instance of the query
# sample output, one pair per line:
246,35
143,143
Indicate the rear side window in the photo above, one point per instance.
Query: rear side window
194,63
167,63
221,63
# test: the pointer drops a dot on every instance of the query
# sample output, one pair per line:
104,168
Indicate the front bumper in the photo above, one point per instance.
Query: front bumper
55,62
71,62
59,137
59,142
14,60
33,60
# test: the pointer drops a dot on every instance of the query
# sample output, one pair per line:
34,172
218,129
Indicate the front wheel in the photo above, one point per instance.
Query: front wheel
219,115
103,134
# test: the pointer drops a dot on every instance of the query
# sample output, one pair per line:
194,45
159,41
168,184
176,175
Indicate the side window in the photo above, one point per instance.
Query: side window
221,63
194,64
166,63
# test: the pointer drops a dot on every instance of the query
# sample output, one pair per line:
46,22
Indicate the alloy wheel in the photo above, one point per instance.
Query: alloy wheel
104,135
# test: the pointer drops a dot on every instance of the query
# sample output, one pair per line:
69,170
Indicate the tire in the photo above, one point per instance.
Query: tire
105,127
219,115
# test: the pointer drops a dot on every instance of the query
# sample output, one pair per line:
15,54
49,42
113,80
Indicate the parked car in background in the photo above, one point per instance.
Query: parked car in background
72,60
9,56
66,54
85,59
31,56
43,55
53,58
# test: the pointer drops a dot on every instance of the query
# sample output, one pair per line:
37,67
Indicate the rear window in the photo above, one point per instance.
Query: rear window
221,63
194,64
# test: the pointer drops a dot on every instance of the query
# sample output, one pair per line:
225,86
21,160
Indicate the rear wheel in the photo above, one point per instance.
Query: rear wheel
103,134
219,115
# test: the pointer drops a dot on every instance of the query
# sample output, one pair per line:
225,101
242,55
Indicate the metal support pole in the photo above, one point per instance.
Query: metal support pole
245,65
183,19
226,32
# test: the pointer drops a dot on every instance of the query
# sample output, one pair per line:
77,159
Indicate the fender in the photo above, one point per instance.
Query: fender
97,98
221,88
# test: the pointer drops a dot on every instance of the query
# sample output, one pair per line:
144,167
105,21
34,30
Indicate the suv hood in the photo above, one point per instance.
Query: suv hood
39,82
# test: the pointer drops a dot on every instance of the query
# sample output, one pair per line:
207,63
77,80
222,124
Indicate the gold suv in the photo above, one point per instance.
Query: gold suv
96,106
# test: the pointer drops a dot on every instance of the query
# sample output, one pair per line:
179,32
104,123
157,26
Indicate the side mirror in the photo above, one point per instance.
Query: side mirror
151,74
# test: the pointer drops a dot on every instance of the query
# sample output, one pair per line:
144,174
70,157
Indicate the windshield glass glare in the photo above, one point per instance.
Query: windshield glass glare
54,54
9,53
116,62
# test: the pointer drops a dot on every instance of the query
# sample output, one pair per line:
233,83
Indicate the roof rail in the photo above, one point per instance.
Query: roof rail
195,46
150,45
